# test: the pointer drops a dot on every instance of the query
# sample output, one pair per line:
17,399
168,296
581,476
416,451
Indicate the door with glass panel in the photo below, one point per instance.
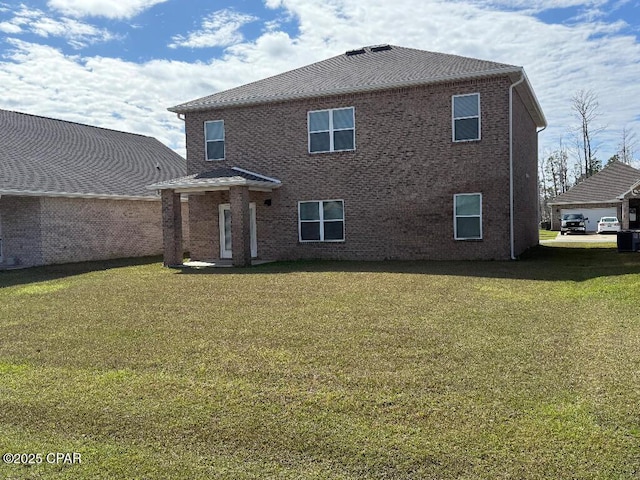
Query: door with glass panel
225,230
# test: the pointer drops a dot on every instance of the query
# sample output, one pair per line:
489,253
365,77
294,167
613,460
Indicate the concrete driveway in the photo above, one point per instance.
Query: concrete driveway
586,238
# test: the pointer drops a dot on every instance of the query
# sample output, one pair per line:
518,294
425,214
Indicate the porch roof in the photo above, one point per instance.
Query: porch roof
221,178
634,191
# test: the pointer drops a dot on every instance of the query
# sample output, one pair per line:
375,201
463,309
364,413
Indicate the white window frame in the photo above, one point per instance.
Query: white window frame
454,118
206,142
331,130
322,221
455,216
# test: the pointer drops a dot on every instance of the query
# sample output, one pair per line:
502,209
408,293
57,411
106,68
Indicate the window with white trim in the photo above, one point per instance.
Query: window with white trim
466,117
214,139
321,221
467,216
332,130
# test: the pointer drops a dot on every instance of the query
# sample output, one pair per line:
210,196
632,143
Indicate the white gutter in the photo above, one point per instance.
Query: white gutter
96,196
511,202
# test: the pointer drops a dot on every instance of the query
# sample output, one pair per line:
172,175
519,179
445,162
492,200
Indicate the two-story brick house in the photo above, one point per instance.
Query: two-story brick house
380,153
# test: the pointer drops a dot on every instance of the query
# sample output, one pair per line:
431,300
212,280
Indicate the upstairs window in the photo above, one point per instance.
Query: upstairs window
332,130
321,221
466,117
214,139
467,216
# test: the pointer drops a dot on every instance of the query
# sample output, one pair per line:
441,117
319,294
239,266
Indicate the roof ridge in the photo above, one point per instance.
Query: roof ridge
77,123
373,67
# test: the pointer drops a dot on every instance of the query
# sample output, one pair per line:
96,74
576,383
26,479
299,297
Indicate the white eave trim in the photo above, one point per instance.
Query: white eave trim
217,184
185,108
95,196
248,172
592,202
193,185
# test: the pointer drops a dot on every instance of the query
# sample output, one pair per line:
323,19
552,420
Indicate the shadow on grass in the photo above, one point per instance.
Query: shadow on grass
21,276
538,263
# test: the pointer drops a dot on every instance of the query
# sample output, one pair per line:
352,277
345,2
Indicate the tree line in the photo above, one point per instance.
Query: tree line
567,166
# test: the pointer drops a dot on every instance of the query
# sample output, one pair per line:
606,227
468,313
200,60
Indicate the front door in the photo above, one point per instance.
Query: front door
225,230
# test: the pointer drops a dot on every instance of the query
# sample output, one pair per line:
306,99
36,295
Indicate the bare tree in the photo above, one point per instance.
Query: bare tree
627,146
585,105
553,177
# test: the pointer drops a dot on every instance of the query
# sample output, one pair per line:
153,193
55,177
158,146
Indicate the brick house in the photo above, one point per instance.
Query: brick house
380,153
612,192
71,192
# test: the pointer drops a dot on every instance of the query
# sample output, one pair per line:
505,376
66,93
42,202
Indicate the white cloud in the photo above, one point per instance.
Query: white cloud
218,29
100,91
10,28
77,34
102,8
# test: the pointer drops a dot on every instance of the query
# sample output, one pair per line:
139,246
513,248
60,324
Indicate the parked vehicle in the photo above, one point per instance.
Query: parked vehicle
573,222
608,224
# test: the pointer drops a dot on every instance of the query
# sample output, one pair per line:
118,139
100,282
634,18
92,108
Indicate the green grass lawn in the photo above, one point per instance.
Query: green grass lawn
548,234
326,370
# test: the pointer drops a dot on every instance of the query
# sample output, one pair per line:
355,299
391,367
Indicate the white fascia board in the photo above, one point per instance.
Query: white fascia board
218,186
268,179
593,202
96,196
536,103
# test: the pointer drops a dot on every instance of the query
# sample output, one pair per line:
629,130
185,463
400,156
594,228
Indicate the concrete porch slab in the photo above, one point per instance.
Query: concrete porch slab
221,263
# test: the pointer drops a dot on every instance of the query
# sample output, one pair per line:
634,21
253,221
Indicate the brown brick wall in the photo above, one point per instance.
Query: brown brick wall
20,230
45,230
398,185
525,177
203,222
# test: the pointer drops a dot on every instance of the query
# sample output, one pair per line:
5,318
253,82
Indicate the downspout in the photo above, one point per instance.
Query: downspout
511,201
538,132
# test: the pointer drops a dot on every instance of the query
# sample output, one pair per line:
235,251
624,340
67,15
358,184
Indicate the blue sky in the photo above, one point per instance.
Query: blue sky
122,64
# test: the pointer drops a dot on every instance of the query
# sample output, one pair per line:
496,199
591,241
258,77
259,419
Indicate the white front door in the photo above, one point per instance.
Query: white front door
225,230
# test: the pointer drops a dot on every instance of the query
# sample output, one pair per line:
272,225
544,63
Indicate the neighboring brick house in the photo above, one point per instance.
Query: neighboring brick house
381,153
71,192
613,191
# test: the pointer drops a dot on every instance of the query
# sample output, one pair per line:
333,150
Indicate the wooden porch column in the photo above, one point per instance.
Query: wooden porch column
172,228
240,226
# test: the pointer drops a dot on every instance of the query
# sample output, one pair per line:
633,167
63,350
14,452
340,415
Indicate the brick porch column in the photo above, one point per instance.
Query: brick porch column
625,214
240,226
171,228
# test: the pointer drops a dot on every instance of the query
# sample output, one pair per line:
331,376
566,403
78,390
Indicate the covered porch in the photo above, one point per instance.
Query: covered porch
631,208
222,216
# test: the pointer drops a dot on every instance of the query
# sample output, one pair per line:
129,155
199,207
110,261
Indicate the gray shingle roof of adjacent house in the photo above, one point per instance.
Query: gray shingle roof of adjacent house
49,157
369,68
613,181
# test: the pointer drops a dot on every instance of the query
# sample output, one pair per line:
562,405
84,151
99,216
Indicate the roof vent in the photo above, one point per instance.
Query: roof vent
351,53
380,48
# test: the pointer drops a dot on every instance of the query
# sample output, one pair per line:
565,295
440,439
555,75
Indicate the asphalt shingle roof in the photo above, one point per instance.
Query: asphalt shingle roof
607,185
373,68
48,156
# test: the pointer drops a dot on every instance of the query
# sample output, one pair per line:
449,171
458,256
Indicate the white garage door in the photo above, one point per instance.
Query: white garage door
593,214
